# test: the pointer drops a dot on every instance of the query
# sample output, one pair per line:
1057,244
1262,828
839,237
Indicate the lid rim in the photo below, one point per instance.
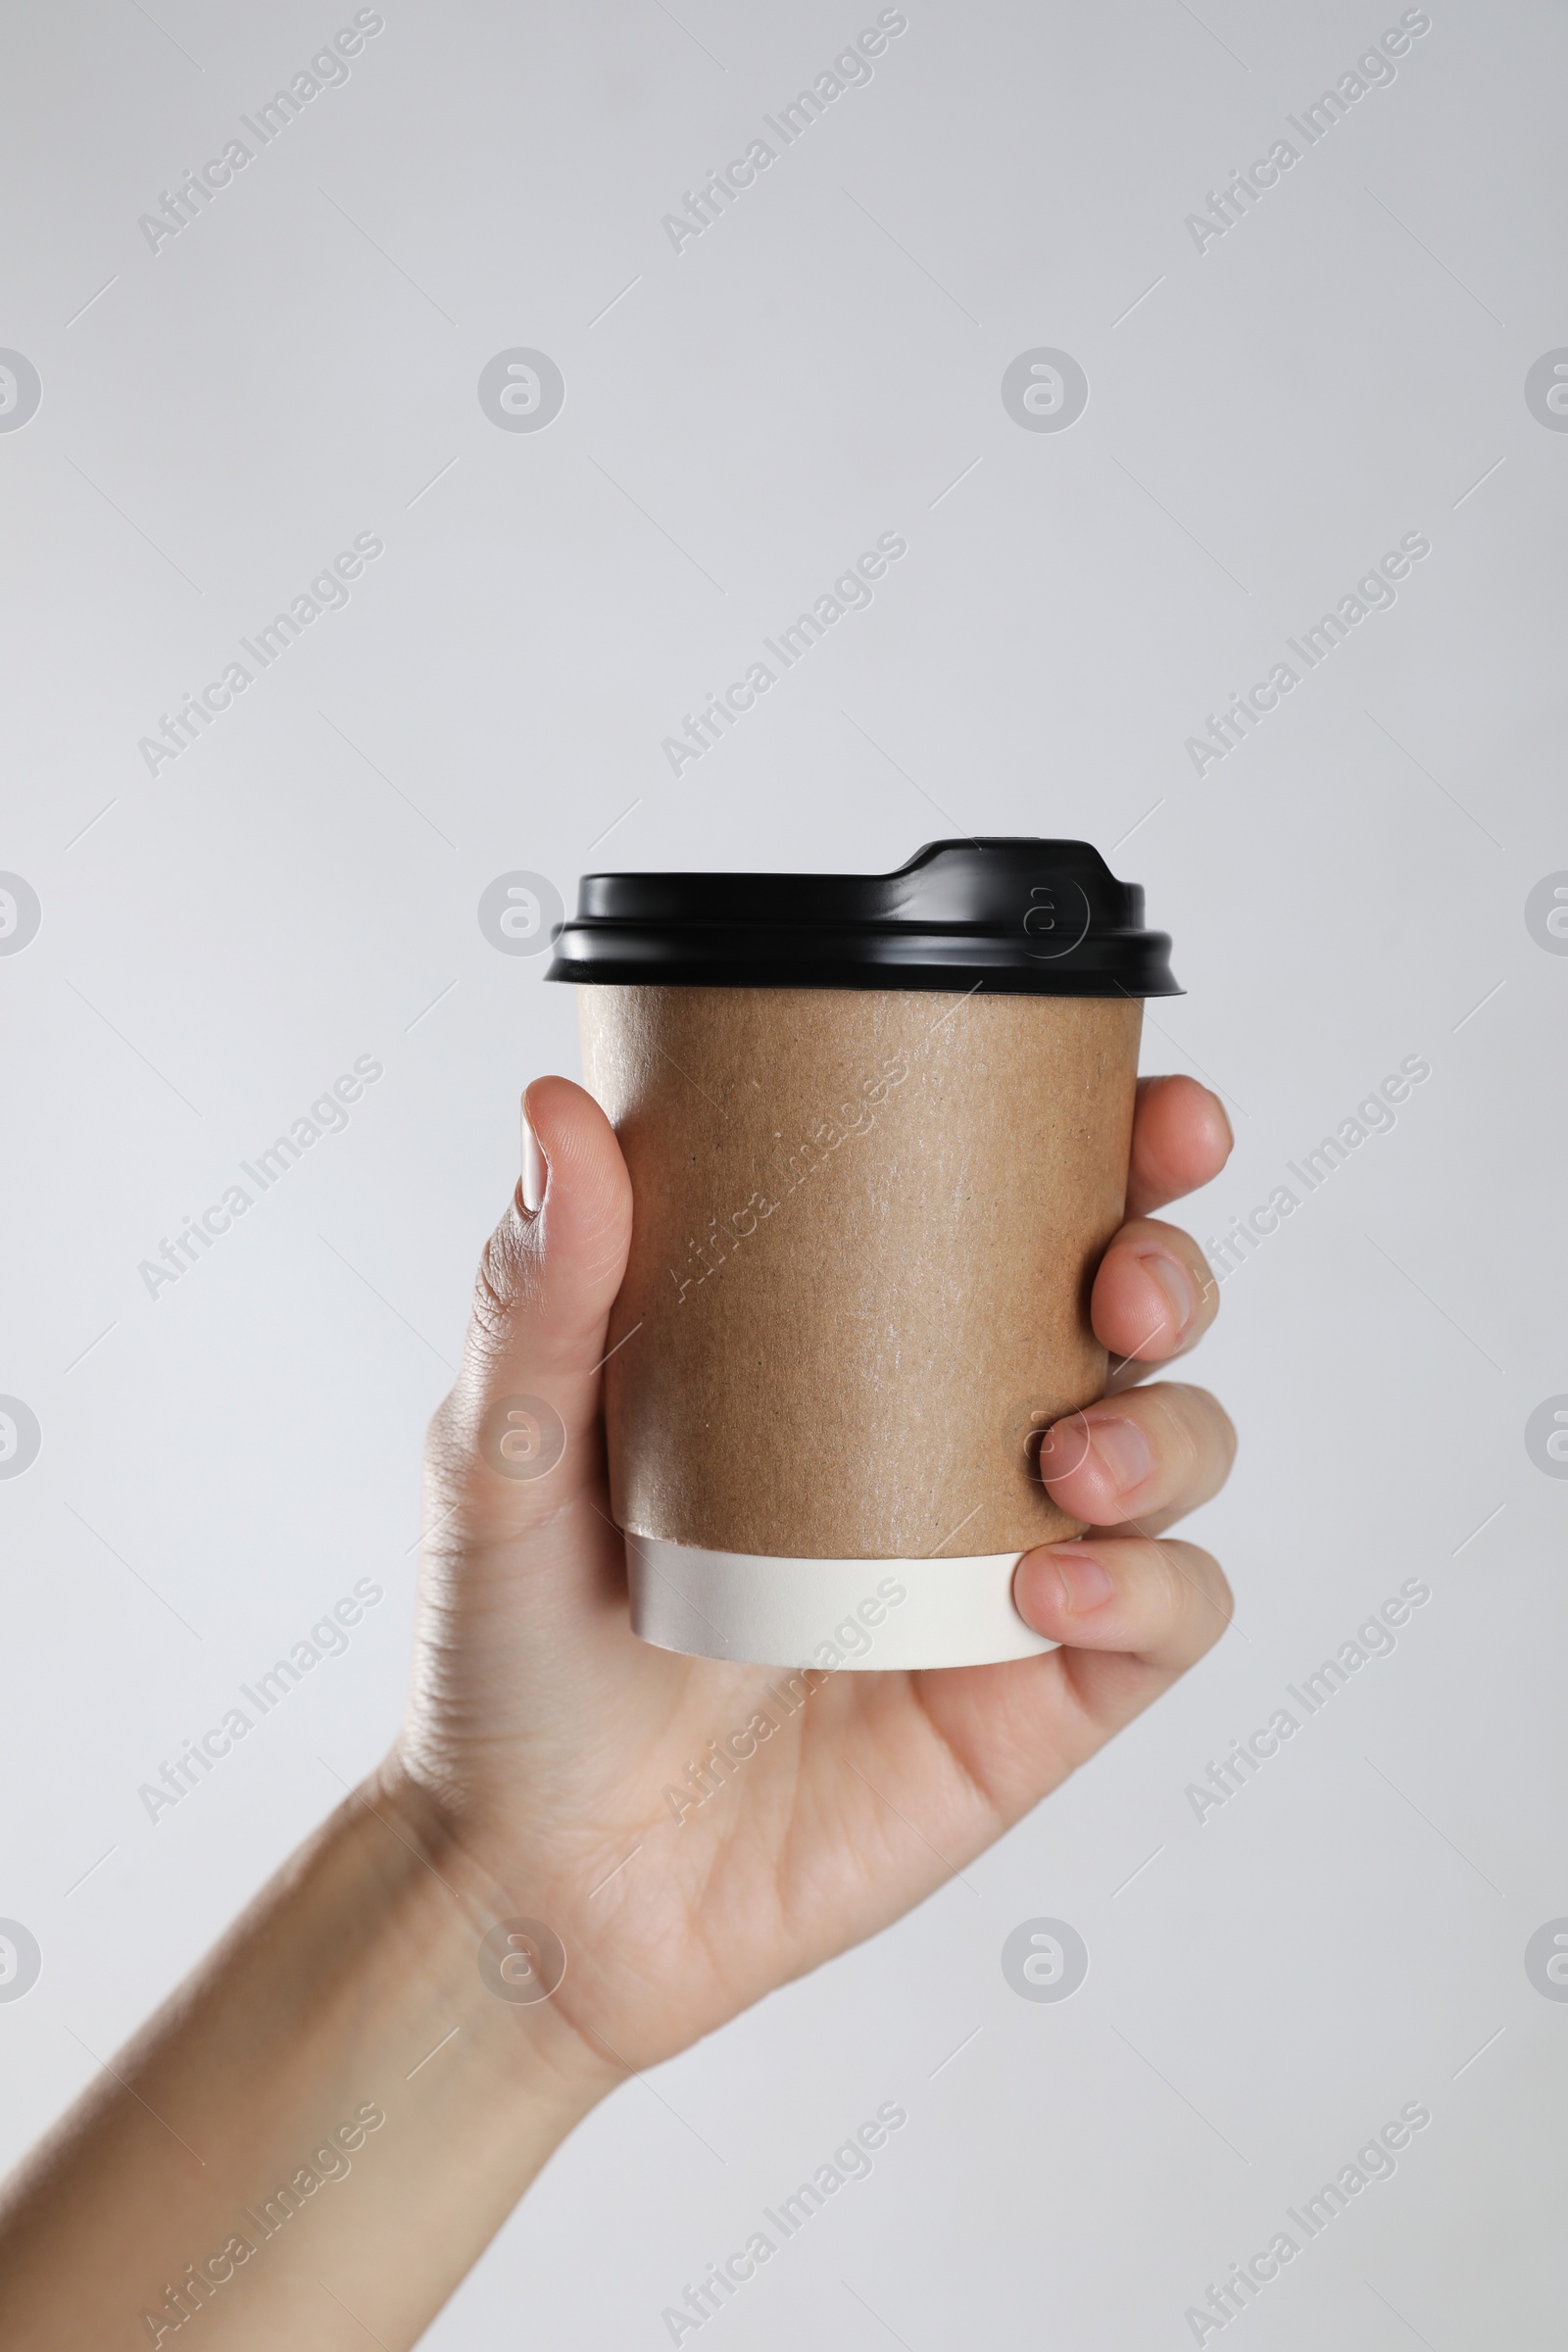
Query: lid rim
960,915
909,980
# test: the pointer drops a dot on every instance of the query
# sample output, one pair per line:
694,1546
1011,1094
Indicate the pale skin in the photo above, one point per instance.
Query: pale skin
527,1781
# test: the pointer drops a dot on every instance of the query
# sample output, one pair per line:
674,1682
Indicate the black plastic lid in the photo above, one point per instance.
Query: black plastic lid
1022,916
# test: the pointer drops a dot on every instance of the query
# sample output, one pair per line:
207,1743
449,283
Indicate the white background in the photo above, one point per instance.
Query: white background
218,942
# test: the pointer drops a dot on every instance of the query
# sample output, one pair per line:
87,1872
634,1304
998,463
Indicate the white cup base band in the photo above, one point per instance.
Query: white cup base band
873,1614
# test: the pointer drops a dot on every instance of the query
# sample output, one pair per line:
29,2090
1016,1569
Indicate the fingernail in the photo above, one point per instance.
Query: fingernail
1176,1282
1084,1583
535,1167
1122,1450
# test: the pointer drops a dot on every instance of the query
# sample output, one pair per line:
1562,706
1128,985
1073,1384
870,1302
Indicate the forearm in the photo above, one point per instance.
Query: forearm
232,2154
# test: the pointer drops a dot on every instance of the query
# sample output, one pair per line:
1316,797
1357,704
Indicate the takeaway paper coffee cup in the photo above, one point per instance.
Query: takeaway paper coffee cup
878,1130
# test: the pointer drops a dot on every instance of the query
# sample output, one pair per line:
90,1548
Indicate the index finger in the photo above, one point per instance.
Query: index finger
1181,1140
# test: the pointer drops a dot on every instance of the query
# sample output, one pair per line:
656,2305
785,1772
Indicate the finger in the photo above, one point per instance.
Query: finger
1130,1615
1144,1611
1154,1295
1147,1455
526,1395
1181,1140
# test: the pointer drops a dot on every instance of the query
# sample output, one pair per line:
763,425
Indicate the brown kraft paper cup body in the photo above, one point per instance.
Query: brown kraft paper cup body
865,1224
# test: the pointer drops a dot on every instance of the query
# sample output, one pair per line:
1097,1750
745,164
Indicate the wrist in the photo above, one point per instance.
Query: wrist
494,1965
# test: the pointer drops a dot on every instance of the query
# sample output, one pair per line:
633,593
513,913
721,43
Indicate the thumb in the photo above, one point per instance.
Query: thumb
517,1434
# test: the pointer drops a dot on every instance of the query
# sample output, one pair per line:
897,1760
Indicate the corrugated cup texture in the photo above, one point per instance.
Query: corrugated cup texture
866,1225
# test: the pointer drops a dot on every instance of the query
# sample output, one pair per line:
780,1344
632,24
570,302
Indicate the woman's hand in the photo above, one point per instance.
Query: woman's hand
548,1754
317,2135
